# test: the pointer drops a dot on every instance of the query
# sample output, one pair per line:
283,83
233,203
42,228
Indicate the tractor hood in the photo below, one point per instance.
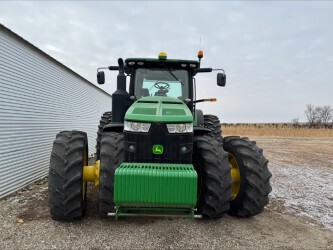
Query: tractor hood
159,109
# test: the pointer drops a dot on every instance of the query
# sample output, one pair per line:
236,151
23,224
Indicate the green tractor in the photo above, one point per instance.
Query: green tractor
157,154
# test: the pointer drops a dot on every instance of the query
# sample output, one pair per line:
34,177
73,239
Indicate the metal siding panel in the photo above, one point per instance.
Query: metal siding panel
38,99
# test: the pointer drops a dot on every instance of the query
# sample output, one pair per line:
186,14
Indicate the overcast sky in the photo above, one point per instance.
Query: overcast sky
278,56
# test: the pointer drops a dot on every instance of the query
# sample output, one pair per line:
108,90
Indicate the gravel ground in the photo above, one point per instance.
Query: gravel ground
299,215
302,178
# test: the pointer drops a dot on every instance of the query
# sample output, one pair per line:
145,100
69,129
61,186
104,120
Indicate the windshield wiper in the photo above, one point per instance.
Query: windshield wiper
173,75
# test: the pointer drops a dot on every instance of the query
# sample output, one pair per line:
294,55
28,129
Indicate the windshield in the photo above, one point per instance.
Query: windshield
161,82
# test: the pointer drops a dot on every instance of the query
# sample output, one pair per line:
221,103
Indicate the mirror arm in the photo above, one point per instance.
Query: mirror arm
113,67
219,70
98,69
109,68
203,70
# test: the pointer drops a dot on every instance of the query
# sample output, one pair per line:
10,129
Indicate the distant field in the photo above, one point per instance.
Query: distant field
280,130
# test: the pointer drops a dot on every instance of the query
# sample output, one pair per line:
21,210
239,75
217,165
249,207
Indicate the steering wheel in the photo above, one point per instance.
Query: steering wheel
162,85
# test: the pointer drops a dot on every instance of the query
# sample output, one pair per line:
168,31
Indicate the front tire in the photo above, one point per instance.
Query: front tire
250,174
67,191
112,155
214,179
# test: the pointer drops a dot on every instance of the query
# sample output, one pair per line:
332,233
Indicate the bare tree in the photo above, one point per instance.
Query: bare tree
318,115
318,111
326,114
311,114
295,122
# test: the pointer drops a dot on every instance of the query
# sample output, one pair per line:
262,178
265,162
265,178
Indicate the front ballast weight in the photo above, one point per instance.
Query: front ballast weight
150,189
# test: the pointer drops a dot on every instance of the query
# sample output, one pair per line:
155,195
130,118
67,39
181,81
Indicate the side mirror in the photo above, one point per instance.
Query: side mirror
221,79
100,77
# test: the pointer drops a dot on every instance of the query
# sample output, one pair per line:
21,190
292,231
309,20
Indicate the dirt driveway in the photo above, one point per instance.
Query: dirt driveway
300,214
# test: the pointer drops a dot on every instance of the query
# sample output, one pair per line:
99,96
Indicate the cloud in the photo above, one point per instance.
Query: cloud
277,55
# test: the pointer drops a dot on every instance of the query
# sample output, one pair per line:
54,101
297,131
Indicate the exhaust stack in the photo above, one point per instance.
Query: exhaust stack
120,98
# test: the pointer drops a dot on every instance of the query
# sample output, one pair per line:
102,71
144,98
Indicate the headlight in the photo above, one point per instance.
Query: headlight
137,126
180,128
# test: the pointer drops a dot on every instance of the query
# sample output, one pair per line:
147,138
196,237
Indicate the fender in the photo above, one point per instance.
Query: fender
114,127
200,131
198,118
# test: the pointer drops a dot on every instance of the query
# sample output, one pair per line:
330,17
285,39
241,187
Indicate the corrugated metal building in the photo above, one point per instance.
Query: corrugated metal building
39,97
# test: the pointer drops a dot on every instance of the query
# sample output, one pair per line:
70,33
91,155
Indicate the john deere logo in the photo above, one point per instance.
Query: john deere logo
158,149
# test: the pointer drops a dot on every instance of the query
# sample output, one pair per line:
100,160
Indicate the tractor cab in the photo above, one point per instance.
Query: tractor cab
161,77
156,77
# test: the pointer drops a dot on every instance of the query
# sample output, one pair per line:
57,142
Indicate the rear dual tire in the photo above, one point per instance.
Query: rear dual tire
67,191
252,184
252,191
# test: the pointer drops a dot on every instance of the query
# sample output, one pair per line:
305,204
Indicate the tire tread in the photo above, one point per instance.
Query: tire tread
112,154
213,168
106,118
255,176
65,176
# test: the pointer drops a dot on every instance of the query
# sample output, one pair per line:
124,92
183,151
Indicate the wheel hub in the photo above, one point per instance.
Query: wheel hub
235,176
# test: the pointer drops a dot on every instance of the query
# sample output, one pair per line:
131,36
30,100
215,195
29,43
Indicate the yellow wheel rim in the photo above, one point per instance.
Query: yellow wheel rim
235,176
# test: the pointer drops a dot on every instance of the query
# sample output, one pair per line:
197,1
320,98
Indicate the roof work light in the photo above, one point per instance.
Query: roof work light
162,56
200,54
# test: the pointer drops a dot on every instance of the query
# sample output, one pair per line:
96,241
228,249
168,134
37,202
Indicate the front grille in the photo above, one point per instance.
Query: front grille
158,135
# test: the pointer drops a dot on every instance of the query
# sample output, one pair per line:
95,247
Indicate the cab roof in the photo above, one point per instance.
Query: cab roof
161,63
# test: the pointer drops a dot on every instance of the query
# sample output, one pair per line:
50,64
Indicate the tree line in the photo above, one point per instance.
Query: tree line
318,116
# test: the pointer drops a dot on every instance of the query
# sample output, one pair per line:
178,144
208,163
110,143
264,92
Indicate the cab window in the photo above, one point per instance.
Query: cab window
161,82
